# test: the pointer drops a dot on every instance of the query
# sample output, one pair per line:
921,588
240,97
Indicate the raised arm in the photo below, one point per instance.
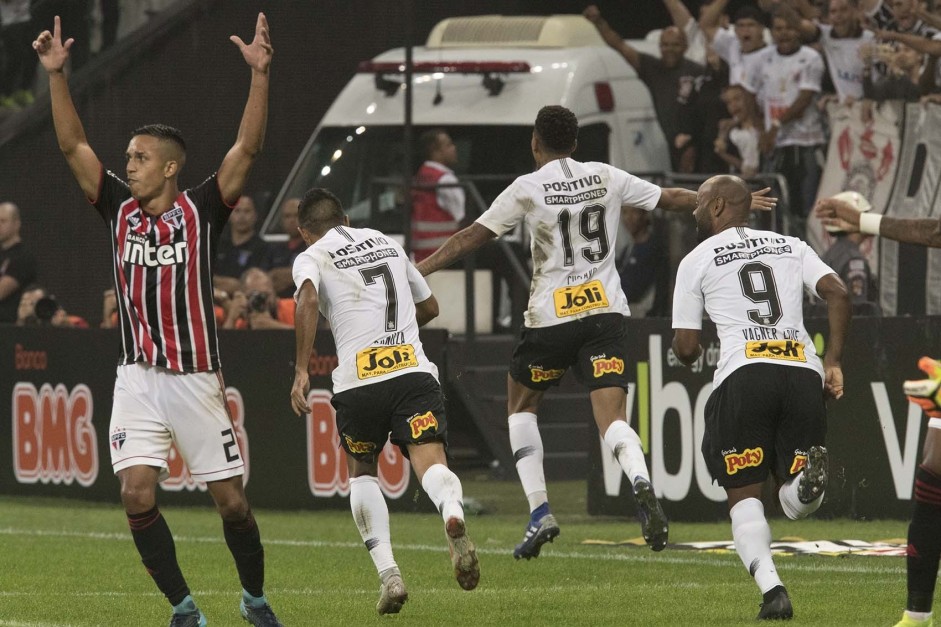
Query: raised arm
305,330
917,43
461,243
251,136
839,309
83,162
710,17
612,38
678,13
838,213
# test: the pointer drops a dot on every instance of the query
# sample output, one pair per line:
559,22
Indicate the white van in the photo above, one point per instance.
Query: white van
482,79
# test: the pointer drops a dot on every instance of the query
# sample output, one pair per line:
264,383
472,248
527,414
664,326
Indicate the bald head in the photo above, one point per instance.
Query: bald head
722,201
9,224
672,46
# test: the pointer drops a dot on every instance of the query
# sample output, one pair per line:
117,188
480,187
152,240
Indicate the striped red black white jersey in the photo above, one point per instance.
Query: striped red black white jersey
163,276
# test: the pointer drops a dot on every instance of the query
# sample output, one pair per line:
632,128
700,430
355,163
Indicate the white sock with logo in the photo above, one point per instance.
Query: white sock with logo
752,537
792,506
444,489
372,519
527,451
625,444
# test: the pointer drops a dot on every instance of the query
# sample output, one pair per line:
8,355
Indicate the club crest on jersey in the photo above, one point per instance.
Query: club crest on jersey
174,217
576,299
118,436
787,350
139,251
422,423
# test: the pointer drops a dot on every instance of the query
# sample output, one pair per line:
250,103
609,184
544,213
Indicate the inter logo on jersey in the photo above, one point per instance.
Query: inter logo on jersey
139,251
788,350
575,299
379,360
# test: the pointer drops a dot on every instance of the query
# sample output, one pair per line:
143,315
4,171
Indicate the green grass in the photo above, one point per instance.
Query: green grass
73,563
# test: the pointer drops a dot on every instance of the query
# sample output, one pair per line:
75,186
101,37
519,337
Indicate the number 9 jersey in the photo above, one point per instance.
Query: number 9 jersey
751,283
572,211
367,290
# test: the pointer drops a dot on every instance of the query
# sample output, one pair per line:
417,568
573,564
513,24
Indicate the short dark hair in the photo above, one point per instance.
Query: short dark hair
429,141
557,128
750,12
320,210
164,132
787,13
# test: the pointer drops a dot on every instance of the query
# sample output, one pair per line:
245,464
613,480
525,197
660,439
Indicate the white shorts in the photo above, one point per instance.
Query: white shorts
154,407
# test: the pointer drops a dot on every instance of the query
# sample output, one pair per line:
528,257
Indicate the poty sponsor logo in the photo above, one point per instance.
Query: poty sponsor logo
538,374
800,460
422,423
608,366
358,448
748,458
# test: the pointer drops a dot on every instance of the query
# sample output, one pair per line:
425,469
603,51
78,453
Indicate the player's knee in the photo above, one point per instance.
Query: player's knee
137,499
233,510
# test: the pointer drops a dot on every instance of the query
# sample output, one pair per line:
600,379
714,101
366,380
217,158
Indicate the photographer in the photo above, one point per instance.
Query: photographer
39,309
256,306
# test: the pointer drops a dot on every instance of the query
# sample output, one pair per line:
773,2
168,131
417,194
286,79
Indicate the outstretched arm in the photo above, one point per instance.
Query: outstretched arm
461,243
612,38
239,160
711,16
838,213
305,330
83,162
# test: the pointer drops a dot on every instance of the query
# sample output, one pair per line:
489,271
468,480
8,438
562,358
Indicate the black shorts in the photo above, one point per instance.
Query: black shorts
761,418
408,409
595,346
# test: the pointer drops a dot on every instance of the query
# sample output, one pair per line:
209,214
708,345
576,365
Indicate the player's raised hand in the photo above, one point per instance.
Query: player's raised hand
837,213
592,14
833,382
927,392
299,393
52,52
258,53
761,201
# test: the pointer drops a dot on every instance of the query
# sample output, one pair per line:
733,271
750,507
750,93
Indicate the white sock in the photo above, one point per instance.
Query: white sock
919,616
527,450
625,444
752,537
372,519
792,506
444,489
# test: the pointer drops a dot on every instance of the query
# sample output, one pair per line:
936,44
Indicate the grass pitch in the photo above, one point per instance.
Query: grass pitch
72,563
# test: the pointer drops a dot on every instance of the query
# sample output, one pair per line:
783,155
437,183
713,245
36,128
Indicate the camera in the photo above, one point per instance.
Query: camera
258,302
45,308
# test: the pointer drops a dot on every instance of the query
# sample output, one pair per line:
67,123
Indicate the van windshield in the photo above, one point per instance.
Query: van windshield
363,167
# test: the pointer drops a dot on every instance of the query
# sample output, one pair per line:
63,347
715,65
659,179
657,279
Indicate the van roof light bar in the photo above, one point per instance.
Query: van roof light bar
446,67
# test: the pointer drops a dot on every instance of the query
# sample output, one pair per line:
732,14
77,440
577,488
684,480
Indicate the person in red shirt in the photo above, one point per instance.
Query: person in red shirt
437,204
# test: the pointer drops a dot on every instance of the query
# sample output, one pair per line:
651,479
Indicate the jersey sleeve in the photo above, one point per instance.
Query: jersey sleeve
112,191
688,304
812,268
635,191
722,43
417,283
306,268
811,76
209,202
507,210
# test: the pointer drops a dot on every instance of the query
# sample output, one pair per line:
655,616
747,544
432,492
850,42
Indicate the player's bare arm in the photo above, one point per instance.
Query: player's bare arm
461,243
83,162
251,136
682,199
840,214
305,330
686,345
426,310
611,36
839,311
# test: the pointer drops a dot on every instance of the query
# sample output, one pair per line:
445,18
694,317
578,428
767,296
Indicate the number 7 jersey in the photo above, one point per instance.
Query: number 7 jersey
751,283
572,211
367,290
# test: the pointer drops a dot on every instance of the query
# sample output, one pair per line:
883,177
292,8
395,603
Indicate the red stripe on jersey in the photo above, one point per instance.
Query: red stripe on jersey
166,301
122,229
194,304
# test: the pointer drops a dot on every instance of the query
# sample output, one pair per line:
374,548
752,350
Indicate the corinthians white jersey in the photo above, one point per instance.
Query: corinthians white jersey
572,211
751,283
367,289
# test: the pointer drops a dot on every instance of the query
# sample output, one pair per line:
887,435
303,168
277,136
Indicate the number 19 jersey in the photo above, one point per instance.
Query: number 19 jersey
751,283
367,289
572,211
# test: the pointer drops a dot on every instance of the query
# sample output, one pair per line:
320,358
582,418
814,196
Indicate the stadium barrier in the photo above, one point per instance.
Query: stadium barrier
874,435
58,385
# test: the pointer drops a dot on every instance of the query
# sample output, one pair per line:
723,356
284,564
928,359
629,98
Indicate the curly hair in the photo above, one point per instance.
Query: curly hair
557,128
164,132
320,210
